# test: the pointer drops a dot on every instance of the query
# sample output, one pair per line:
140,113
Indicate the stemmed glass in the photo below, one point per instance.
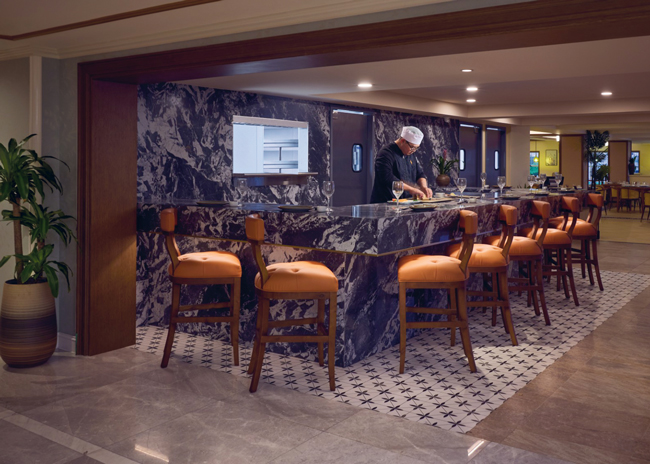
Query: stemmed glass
242,186
328,191
461,183
398,189
558,179
542,179
483,179
531,181
501,182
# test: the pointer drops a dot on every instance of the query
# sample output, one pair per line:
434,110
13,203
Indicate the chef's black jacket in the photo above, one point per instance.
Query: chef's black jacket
391,165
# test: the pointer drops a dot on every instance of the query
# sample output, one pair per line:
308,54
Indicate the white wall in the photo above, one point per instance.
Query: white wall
14,123
517,155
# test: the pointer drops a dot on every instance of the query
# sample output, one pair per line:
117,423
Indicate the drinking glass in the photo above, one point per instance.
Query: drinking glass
558,179
501,182
398,189
531,182
461,183
542,179
483,179
328,191
241,186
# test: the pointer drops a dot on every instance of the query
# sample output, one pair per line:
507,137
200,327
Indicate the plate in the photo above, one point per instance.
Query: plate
401,202
437,200
541,194
296,207
511,197
422,207
211,203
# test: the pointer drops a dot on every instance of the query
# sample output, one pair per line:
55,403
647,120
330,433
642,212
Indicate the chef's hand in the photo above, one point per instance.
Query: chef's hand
428,192
419,194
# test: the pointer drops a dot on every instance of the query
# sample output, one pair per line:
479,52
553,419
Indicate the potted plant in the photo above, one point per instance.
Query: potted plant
595,154
602,174
443,167
28,314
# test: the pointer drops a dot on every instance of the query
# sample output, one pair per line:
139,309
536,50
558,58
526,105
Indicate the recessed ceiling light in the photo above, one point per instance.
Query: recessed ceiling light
466,70
471,100
605,94
365,85
472,89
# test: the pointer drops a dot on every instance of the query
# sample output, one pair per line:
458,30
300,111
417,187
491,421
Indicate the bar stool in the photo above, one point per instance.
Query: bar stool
493,260
558,242
300,280
529,252
439,272
205,268
587,232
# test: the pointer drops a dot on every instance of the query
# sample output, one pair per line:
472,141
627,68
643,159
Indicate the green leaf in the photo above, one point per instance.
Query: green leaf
21,183
65,270
28,270
4,260
52,280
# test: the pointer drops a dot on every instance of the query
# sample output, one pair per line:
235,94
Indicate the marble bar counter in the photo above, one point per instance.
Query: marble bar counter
360,244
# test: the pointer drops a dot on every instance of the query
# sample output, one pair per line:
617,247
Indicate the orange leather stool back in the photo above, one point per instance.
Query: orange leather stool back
469,222
168,219
541,209
255,227
595,199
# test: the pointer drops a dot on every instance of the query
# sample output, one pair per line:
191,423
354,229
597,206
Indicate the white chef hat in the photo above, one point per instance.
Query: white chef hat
412,134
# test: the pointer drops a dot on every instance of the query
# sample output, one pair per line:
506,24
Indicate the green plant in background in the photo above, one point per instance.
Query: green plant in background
23,178
595,154
443,165
602,173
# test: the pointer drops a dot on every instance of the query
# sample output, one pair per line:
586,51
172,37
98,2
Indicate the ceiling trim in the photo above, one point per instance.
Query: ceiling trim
108,19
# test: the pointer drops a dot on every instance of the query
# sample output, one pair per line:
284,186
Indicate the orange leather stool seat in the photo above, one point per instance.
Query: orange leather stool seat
207,265
521,246
428,268
581,229
553,236
483,256
301,276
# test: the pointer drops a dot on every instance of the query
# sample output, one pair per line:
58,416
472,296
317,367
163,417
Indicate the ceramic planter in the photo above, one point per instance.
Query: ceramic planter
443,180
27,324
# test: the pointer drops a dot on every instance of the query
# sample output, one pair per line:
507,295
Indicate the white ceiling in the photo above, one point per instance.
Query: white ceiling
553,88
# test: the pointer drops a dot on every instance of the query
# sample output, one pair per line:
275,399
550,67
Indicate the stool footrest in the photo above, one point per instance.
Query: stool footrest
436,324
442,311
199,307
204,319
485,303
290,322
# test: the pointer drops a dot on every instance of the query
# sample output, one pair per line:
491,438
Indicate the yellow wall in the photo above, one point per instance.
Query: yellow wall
541,147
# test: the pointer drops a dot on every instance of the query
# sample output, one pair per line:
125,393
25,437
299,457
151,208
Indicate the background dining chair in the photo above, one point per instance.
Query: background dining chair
204,268
439,272
645,203
300,280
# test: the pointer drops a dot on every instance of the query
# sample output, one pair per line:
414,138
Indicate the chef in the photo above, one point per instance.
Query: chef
394,162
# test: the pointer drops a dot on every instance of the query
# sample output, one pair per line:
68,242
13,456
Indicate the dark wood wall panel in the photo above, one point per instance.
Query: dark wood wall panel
619,156
109,218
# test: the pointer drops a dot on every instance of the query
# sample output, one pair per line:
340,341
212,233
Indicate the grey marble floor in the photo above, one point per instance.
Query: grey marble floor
120,407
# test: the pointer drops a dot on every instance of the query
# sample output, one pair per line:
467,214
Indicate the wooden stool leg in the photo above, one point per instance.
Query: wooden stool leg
320,329
582,258
261,346
595,258
402,326
563,268
571,281
532,276
176,300
256,341
234,325
331,345
495,290
561,278
588,260
542,298
502,278
464,328
451,317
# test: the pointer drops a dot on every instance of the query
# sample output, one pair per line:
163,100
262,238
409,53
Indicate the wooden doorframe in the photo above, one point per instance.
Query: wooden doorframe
107,116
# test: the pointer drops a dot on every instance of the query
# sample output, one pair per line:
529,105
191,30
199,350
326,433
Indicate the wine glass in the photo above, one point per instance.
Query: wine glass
461,183
328,191
241,186
398,189
483,179
531,181
558,179
501,182
542,179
